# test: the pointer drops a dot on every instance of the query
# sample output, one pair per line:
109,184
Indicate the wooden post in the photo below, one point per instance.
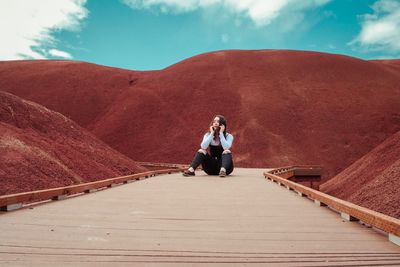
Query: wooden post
394,239
348,217
11,207
319,203
60,197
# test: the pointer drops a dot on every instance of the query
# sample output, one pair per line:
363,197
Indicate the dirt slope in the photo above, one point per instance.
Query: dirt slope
41,149
373,181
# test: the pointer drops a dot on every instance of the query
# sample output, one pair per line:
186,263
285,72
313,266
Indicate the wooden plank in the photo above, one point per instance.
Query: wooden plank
207,221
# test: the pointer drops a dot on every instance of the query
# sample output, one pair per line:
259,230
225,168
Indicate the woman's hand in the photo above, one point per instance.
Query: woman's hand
222,129
211,129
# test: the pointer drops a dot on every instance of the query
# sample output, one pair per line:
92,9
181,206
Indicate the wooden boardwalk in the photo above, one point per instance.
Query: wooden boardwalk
170,220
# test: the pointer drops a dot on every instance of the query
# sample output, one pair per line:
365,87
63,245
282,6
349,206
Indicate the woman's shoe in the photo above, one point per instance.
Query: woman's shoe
222,173
188,173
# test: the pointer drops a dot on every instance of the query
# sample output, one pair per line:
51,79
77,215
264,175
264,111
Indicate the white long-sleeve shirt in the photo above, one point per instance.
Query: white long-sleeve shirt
225,142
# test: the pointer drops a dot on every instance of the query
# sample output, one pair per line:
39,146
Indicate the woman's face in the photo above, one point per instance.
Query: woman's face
215,122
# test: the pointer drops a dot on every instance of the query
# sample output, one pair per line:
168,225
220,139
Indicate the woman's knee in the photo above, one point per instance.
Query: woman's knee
203,151
227,151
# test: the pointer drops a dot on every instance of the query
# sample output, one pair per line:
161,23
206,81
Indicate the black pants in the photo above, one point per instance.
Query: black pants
212,165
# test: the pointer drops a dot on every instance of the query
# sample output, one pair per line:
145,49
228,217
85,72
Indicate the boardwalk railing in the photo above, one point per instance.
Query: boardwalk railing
347,210
301,174
157,165
15,201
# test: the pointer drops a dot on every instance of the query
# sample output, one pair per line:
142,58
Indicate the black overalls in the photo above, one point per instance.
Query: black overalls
213,161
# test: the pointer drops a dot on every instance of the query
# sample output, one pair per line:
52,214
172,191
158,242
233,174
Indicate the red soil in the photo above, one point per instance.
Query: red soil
283,107
41,149
373,181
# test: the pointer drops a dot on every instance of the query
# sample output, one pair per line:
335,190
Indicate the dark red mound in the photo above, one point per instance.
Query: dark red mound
283,107
373,181
41,149
79,90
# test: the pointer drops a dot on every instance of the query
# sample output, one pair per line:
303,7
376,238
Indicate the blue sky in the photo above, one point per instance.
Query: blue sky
153,34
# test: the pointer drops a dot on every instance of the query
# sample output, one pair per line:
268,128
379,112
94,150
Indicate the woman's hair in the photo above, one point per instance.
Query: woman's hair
222,121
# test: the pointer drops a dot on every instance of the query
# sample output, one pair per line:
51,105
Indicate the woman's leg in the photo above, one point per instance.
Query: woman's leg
210,165
227,162
198,159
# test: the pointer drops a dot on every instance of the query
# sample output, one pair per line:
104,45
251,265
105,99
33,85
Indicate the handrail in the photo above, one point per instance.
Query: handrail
16,200
376,219
161,164
294,167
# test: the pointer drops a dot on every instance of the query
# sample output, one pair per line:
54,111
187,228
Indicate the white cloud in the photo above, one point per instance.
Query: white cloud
178,6
26,26
261,12
59,54
380,31
225,38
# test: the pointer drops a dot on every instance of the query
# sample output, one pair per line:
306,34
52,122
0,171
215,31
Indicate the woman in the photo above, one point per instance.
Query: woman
219,159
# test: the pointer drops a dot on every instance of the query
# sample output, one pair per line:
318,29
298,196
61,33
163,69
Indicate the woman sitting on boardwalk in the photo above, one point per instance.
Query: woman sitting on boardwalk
218,160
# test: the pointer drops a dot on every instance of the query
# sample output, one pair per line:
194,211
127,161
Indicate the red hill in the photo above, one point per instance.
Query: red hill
41,149
373,181
283,107
79,90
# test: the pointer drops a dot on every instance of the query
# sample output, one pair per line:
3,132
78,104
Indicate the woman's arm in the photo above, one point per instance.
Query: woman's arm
226,143
206,140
